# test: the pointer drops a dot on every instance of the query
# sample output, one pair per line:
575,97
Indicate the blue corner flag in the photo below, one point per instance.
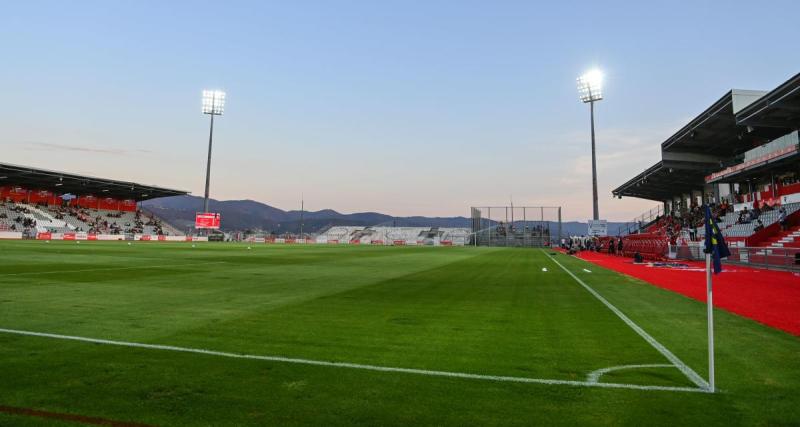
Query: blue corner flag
715,243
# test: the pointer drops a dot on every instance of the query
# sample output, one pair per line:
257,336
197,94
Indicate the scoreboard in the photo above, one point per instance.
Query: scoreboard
207,220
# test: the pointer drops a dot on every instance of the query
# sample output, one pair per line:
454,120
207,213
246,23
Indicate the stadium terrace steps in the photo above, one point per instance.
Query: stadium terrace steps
787,239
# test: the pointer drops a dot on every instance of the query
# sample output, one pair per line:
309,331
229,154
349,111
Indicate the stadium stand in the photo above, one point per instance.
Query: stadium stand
380,235
48,204
740,156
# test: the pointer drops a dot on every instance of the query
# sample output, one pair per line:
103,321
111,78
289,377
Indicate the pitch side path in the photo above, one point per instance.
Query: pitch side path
768,296
226,334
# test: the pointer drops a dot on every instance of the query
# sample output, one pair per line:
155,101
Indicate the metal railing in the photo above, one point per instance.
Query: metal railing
637,224
768,258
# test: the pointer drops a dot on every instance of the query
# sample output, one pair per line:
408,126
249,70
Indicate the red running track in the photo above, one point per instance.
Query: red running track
766,296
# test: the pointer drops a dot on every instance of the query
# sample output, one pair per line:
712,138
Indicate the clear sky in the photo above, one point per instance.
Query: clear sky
402,107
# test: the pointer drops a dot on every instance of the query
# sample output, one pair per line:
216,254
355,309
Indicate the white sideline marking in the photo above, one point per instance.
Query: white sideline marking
355,365
689,372
594,376
588,271
32,273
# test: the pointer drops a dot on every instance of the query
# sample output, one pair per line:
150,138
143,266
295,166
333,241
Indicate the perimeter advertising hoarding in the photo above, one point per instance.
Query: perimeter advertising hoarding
207,220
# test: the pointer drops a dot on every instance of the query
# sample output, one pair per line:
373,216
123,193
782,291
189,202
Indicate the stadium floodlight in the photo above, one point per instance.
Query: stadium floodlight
590,86
590,90
213,102
213,105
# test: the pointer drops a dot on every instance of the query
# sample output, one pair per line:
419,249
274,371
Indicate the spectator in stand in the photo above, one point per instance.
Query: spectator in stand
783,219
759,226
756,210
744,216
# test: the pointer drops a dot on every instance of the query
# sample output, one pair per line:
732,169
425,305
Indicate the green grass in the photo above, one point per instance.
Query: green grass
470,310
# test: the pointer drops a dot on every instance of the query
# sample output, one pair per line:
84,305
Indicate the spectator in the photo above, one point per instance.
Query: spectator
783,219
744,216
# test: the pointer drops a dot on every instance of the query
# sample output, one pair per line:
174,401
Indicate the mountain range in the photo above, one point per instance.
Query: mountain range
244,215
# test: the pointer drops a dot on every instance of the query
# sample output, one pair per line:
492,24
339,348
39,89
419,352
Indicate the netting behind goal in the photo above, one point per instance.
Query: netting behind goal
516,226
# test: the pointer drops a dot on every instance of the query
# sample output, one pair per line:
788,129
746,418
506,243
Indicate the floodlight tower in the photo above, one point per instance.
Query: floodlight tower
590,89
213,105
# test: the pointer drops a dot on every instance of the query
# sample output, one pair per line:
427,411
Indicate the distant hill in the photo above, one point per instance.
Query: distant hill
252,215
243,215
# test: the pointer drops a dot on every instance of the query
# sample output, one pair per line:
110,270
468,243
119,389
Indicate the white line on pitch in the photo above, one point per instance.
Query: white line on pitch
689,372
86,270
282,359
594,376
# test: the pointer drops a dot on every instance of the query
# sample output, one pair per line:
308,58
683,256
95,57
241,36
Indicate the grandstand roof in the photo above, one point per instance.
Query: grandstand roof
779,108
78,185
715,131
662,181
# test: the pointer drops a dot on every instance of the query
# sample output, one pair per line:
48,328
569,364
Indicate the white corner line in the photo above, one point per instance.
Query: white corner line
594,376
689,372
283,359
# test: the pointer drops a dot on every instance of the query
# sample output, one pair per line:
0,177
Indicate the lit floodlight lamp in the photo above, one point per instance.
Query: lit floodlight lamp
590,86
213,102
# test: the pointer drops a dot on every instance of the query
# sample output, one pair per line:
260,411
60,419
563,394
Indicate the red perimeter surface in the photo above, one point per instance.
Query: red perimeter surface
769,297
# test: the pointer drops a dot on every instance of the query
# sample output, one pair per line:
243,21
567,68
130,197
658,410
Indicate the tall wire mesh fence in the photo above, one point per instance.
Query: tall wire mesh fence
516,226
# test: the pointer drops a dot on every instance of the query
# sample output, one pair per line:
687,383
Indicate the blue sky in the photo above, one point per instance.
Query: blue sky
400,107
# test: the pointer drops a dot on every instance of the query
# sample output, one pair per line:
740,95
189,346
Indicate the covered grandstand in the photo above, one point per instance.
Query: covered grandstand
46,204
742,157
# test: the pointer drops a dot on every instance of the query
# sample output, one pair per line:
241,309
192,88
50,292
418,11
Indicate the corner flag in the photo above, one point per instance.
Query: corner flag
715,250
715,243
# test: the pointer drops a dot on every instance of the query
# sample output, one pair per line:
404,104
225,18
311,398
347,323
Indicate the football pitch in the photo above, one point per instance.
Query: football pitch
231,334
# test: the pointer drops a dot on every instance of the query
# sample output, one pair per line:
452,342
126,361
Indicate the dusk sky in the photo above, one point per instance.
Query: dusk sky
401,107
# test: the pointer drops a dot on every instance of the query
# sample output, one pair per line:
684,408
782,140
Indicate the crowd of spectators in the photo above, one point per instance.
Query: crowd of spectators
18,222
746,216
575,244
97,222
691,220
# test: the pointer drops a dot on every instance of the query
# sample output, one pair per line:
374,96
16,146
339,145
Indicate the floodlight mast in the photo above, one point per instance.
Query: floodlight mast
590,89
213,105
